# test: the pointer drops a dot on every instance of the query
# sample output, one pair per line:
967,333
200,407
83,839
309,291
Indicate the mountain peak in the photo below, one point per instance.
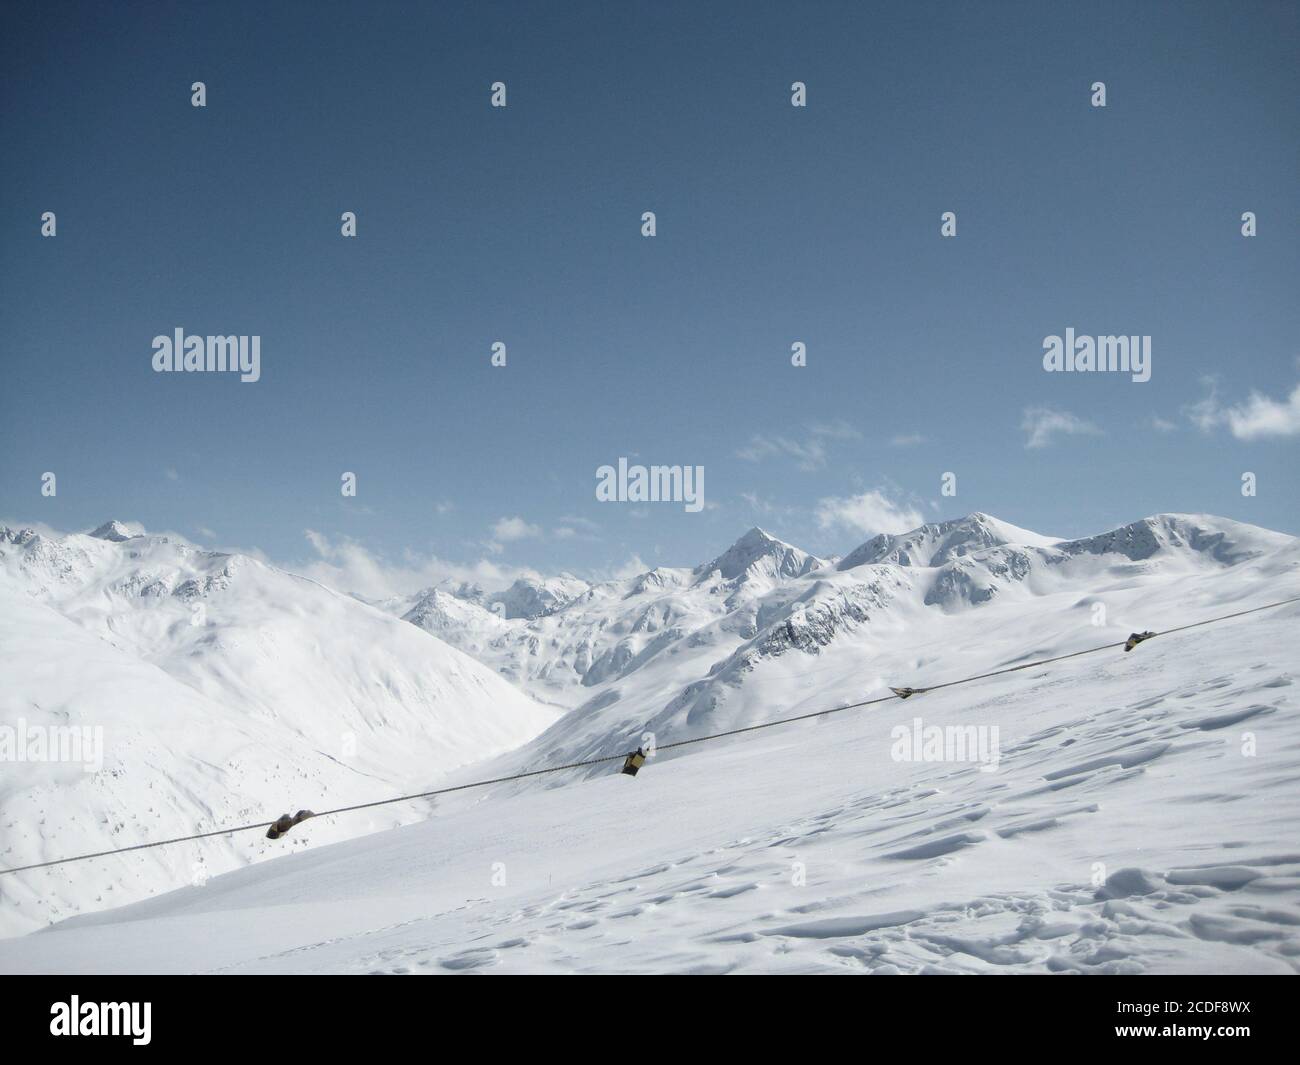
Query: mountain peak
758,550
1221,539
531,597
939,542
115,531
22,536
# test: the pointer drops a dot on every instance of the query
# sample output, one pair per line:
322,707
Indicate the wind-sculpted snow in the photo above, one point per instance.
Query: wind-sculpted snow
1136,822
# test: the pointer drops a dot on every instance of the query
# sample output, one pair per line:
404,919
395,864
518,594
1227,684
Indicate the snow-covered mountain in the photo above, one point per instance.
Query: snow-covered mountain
759,556
224,691
933,545
101,628
1141,814
527,597
583,635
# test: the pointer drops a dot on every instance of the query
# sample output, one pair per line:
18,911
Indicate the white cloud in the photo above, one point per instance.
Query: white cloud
1259,416
506,530
907,440
633,567
870,512
836,430
348,566
573,526
770,509
1206,414
809,451
1043,423
810,454
1262,416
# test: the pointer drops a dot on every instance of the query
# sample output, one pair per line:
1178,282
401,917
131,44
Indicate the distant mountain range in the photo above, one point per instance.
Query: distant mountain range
669,650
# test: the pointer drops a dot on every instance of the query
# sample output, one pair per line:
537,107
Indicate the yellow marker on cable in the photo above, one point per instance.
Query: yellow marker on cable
1135,639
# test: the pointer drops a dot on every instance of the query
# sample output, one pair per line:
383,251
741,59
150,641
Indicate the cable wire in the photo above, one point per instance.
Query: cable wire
658,747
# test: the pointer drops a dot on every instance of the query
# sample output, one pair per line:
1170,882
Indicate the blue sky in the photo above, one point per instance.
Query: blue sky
775,224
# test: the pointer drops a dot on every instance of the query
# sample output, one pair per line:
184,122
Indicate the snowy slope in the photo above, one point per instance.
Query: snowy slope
1110,762
225,691
1125,828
